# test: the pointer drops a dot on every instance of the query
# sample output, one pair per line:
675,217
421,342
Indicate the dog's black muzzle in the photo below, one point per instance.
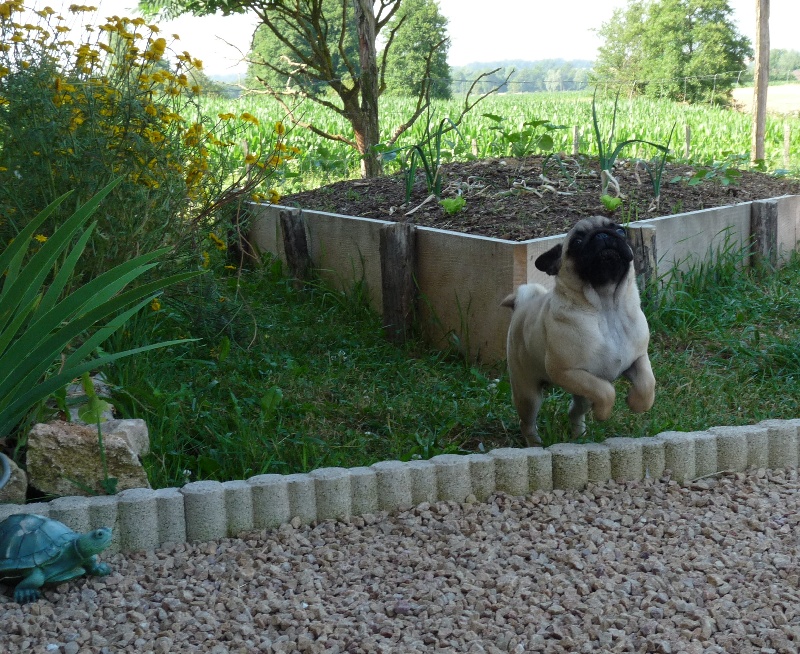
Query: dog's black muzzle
603,256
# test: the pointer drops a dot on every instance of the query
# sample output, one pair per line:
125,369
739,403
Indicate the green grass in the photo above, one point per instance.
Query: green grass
287,380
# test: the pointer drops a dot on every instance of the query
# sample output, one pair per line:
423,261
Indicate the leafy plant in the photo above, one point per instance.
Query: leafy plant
655,170
40,323
606,154
428,152
611,203
452,206
726,171
527,140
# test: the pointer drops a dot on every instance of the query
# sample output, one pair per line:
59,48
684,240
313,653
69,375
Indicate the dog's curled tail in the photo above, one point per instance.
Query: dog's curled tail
523,293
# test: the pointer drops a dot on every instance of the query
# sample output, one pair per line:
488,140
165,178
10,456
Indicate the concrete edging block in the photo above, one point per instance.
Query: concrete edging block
731,448
302,498
171,516
626,458
511,470
333,493
781,443
394,485
238,506
540,468
570,466
138,519
481,475
424,486
454,477
364,490
653,457
271,506
73,511
598,460
679,454
206,516
103,513
705,454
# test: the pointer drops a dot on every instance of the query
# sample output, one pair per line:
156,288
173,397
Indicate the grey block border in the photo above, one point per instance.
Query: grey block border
145,519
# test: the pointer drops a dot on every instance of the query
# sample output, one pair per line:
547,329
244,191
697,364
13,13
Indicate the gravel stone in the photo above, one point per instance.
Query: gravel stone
651,566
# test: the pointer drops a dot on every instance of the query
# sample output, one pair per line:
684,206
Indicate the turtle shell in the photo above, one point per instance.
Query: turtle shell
28,541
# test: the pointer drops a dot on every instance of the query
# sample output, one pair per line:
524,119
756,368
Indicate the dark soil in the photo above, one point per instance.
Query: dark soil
515,199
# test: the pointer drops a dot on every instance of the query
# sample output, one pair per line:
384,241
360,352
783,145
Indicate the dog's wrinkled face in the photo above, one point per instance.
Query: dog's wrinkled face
598,249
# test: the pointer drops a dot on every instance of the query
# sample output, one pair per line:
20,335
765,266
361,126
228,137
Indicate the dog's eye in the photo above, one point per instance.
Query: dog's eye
620,231
577,241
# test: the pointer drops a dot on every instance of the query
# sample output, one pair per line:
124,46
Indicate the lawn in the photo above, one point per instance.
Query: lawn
287,379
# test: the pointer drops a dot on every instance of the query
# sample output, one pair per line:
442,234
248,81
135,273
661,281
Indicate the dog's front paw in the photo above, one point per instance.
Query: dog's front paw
602,408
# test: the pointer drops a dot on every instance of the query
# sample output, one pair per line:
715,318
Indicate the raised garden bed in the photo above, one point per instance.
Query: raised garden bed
462,278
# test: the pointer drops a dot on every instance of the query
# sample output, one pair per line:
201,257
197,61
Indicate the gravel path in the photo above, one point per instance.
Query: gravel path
642,567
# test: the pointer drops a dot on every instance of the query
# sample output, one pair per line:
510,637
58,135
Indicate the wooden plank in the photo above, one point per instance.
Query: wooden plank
398,255
643,243
764,233
295,244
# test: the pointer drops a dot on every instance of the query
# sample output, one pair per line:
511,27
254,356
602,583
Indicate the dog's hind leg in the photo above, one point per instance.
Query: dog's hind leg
578,408
528,405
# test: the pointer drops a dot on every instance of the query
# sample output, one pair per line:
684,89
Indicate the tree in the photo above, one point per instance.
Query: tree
683,49
424,30
354,83
267,49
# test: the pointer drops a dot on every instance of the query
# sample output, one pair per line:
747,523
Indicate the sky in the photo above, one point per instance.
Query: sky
480,30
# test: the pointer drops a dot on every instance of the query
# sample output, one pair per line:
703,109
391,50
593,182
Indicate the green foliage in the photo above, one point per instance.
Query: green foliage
726,171
74,118
270,54
422,34
428,152
606,155
688,50
529,139
783,64
40,321
452,206
528,77
611,203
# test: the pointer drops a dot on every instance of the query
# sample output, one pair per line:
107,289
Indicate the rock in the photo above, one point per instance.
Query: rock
64,458
134,431
15,491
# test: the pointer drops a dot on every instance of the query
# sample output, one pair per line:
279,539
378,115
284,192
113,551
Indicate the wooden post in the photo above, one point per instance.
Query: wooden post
764,233
643,243
295,244
576,141
761,81
398,283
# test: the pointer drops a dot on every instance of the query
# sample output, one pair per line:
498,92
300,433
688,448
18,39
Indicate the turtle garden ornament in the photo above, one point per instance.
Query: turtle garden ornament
41,550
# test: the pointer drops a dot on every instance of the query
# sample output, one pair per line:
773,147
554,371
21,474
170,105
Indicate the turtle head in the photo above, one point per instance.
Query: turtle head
93,542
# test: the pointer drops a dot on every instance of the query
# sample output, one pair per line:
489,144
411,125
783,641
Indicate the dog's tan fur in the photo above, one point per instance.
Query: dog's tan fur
579,336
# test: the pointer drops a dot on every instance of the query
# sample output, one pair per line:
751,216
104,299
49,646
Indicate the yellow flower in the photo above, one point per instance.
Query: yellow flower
230,267
249,118
206,260
217,241
250,159
41,238
274,196
280,130
155,305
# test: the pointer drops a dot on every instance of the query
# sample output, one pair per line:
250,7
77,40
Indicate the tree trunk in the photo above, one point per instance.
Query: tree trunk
366,130
761,81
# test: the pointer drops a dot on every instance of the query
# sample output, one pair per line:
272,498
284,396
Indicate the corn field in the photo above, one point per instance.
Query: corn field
716,133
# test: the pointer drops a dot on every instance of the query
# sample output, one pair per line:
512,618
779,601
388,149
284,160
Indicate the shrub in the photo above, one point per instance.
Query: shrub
73,118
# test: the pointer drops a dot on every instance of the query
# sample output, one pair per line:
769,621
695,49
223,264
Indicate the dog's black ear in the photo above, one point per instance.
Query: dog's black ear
550,261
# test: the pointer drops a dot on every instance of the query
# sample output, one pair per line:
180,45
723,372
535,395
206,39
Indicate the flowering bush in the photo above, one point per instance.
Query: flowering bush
120,104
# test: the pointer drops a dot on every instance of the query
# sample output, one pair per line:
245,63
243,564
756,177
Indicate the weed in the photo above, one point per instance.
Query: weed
452,206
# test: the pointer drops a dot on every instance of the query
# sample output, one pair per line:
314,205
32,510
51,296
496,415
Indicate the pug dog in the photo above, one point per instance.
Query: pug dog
585,333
